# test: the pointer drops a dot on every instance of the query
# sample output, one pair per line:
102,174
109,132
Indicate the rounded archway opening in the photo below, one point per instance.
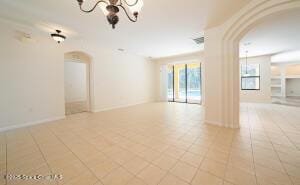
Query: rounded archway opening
77,80
261,79
222,59
255,14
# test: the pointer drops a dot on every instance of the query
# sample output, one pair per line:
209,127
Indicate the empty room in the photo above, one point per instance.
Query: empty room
149,92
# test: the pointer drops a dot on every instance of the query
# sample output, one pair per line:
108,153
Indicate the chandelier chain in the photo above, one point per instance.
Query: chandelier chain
131,19
88,11
128,4
112,9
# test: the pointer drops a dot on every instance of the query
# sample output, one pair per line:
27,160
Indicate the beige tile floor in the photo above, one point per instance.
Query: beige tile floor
292,101
158,144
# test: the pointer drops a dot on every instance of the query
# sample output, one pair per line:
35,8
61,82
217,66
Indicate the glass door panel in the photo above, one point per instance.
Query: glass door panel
170,71
180,82
194,83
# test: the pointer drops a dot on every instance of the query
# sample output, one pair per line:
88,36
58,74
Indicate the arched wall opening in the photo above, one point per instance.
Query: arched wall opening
78,86
222,58
275,34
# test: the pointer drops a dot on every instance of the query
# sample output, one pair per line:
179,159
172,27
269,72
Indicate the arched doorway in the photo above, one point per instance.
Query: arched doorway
77,82
222,59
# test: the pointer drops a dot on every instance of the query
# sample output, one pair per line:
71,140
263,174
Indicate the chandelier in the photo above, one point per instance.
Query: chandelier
111,8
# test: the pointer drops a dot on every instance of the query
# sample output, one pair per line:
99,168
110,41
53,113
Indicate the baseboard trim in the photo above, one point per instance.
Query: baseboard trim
31,123
63,117
219,124
121,106
213,123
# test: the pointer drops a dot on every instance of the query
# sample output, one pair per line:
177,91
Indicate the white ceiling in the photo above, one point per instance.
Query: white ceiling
275,34
286,57
165,27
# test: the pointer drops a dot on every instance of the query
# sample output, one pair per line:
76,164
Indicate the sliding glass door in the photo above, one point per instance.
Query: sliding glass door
180,82
184,83
193,83
170,73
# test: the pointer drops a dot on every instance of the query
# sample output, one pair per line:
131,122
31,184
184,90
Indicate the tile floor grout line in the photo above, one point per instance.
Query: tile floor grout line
74,154
121,165
254,166
204,157
281,162
38,146
227,163
177,160
269,139
150,162
281,128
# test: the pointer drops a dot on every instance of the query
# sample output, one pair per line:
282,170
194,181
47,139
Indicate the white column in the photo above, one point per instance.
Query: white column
222,82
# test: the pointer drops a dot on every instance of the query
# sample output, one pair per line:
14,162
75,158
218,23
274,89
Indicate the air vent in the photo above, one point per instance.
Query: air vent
199,40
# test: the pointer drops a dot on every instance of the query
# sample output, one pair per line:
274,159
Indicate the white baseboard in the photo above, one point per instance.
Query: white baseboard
76,100
63,117
213,123
218,124
121,106
31,123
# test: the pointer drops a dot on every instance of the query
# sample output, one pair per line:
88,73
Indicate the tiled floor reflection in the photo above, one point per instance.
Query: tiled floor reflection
158,144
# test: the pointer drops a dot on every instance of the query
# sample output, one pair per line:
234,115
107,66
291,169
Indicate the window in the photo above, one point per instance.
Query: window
170,71
250,77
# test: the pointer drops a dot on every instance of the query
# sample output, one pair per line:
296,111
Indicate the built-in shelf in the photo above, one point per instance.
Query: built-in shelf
293,77
284,80
275,77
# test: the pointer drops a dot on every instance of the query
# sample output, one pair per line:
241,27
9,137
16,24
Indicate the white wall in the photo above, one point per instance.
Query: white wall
293,84
122,80
32,77
75,81
264,94
293,87
213,76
